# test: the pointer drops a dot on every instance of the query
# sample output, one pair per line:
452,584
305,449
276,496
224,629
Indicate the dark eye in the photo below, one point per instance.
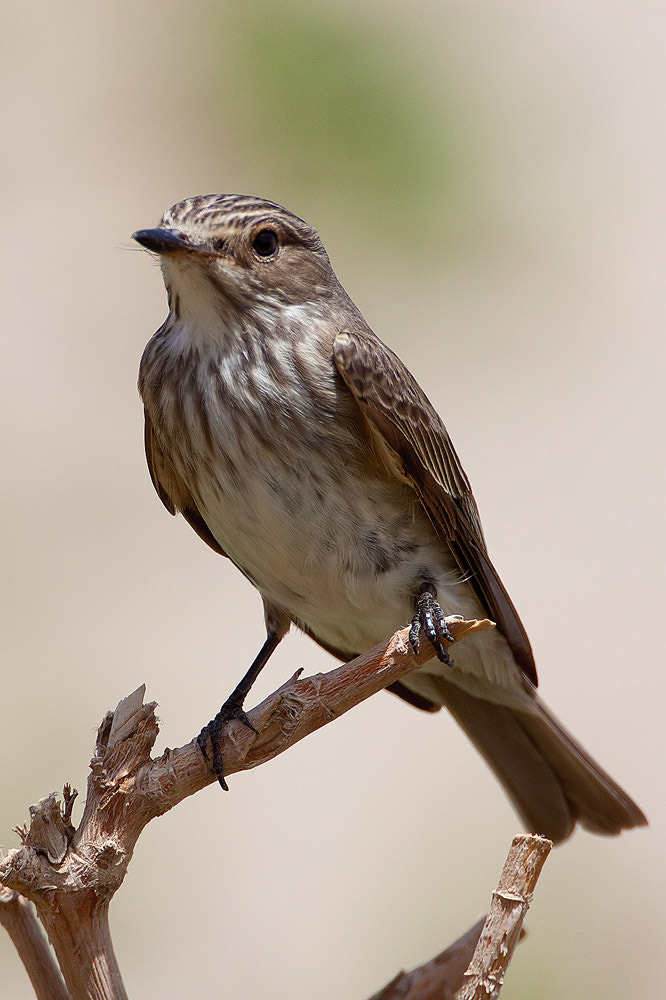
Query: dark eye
265,243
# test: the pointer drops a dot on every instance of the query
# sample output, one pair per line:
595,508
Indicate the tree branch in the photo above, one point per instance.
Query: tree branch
17,916
473,967
438,979
501,932
71,875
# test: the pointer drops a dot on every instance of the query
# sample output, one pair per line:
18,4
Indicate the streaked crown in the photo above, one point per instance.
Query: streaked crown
230,214
254,251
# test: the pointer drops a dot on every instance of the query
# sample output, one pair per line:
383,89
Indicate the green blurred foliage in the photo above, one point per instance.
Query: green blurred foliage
335,107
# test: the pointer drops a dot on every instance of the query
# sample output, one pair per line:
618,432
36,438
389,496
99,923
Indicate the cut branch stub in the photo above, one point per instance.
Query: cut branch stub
484,978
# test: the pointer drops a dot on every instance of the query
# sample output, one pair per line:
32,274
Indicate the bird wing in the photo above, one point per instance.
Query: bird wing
412,436
171,489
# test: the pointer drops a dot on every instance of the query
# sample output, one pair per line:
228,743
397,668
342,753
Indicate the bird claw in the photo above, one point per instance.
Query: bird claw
213,732
429,620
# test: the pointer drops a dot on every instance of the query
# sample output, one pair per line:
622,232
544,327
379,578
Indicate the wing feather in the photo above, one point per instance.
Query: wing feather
171,489
402,417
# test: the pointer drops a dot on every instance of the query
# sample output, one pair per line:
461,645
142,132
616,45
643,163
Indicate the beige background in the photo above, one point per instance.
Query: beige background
523,286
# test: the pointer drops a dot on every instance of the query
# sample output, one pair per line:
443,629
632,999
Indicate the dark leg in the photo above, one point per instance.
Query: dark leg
233,708
429,619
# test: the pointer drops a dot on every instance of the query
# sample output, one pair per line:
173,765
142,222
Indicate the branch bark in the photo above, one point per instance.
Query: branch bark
438,979
473,968
17,916
484,978
71,874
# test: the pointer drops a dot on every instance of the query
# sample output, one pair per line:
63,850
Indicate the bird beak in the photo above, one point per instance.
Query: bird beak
163,241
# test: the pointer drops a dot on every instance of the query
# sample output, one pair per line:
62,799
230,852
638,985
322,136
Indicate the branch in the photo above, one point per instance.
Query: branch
438,979
473,967
17,916
71,875
501,932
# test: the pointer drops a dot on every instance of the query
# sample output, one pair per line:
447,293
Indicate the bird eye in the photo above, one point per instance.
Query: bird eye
265,243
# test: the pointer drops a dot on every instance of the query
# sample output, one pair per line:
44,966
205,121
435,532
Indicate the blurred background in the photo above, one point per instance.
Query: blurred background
489,182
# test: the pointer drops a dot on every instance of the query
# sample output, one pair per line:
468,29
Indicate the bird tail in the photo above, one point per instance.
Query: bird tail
551,780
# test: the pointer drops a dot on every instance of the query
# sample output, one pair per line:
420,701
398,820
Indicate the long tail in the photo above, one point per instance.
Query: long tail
551,780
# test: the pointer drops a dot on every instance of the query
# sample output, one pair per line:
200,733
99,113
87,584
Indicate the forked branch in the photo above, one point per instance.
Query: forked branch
71,874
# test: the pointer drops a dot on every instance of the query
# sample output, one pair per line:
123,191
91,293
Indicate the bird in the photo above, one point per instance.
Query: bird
298,445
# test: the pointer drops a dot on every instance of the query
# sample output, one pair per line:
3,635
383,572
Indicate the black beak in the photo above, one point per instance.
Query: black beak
162,240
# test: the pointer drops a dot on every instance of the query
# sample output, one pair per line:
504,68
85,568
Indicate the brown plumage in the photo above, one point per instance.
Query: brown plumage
297,444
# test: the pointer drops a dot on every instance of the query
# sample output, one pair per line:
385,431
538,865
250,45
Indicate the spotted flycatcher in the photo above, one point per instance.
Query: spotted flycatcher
299,446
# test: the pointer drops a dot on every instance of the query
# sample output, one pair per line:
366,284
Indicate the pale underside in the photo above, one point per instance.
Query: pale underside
344,562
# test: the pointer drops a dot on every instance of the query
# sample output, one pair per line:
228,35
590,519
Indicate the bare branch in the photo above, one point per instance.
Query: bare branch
438,979
18,917
473,967
71,875
485,975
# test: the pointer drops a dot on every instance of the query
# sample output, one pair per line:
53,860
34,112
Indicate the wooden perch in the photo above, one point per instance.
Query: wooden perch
71,874
473,967
501,932
438,979
17,916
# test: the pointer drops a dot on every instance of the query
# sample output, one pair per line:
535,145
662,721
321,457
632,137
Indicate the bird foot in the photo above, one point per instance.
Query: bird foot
429,620
213,732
